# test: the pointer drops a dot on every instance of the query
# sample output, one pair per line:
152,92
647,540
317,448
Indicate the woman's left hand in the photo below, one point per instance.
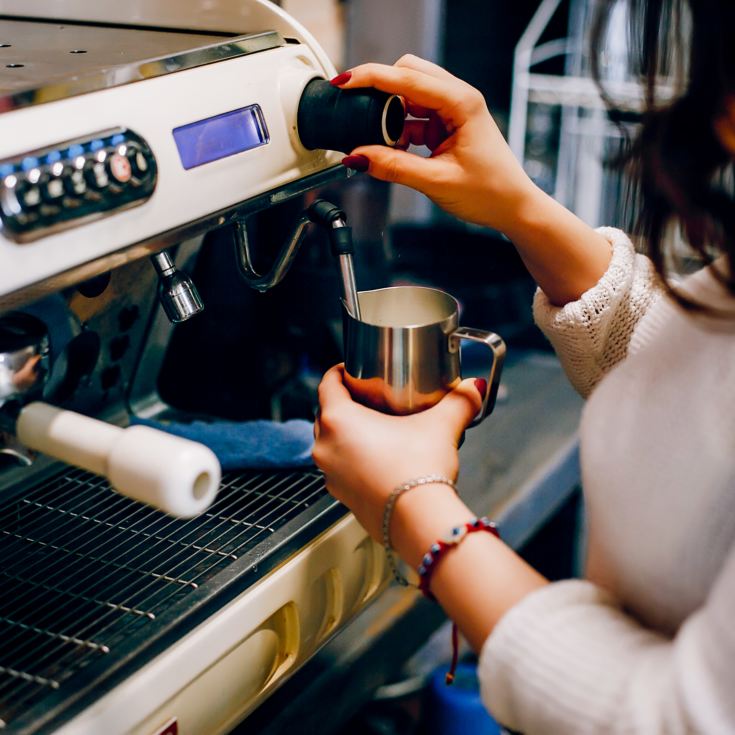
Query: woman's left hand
364,454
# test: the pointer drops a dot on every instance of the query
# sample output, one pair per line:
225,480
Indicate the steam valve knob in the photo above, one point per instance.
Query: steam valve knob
343,119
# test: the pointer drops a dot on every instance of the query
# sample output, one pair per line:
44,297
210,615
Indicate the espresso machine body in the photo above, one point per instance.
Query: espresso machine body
134,139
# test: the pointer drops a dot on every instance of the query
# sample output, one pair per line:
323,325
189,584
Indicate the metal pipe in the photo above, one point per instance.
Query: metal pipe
282,263
324,214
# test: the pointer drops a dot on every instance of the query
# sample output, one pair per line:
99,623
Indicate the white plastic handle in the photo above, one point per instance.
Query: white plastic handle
178,476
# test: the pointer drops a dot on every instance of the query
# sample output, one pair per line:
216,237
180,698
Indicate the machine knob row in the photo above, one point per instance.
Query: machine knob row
57,187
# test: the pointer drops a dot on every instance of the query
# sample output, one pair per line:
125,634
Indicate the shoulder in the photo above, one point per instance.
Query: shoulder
667,318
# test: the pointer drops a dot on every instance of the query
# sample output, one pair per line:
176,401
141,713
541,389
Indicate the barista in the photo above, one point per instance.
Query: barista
645,642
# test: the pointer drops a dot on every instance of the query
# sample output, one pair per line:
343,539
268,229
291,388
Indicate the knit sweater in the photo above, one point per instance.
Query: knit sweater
646,642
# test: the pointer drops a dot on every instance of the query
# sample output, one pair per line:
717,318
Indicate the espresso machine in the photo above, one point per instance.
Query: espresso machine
142,589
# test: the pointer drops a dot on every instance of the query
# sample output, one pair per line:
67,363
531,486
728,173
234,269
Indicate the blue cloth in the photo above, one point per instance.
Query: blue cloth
243,445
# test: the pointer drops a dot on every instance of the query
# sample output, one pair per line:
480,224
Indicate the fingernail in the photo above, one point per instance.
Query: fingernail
357,163
481,385
341,79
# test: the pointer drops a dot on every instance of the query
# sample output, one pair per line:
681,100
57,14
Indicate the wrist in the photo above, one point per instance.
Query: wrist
421,516
529,213
564,255
508,199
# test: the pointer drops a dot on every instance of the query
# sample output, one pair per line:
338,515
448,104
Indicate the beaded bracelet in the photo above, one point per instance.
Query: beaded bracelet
429,563
437,550
388,515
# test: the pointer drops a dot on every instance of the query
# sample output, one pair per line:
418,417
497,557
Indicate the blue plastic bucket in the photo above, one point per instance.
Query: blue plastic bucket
457,709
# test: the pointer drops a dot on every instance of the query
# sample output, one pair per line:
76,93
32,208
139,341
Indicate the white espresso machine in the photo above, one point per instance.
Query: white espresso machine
129,131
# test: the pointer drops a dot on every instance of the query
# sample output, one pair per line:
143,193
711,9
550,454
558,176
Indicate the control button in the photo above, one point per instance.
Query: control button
8,198
54,189
27,189
13,198
75,182
96,172
119,168
28,195
57,186
138,161
52,182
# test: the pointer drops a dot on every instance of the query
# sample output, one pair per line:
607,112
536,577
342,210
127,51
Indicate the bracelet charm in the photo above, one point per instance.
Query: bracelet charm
439,548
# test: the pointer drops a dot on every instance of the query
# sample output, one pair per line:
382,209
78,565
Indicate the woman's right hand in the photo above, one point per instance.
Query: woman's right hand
472,172
473,175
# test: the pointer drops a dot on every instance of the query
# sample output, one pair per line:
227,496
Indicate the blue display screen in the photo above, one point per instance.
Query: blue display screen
221,136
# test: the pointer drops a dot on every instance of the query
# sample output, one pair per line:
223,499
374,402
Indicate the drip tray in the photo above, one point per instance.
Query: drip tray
95,584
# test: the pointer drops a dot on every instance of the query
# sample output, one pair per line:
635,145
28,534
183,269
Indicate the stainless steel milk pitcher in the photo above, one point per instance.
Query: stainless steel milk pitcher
403,355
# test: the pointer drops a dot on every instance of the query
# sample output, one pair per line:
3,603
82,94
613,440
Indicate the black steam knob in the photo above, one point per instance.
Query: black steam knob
342,119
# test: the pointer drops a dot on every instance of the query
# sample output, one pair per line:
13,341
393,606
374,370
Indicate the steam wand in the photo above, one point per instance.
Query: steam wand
322,213
340,238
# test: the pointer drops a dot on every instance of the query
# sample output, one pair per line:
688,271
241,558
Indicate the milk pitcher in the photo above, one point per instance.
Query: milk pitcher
403,354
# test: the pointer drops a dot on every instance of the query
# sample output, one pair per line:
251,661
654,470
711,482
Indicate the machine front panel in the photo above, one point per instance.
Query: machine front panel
154,108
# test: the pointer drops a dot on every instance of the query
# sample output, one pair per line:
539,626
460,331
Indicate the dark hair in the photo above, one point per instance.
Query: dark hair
679,171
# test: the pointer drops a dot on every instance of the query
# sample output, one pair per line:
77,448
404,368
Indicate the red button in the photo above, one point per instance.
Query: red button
120,168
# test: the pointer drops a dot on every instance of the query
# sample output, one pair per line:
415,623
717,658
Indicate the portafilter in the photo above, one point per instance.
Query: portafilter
178,476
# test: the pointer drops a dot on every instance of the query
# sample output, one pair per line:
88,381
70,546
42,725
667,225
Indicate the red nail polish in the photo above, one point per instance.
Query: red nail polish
341,79
357,163
481,385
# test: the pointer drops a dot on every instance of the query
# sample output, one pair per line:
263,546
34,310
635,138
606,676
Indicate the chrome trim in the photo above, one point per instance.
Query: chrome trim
177,293
24,238
282,262
29,236
156,243
119,75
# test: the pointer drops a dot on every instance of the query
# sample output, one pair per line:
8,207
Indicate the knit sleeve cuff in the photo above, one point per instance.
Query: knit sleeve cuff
596,300
591,335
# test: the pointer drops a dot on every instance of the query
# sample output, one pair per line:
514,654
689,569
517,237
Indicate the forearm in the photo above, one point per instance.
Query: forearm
564,255
476,582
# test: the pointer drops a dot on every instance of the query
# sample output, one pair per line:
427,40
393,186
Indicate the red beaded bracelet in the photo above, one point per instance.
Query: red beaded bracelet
432,557
439,548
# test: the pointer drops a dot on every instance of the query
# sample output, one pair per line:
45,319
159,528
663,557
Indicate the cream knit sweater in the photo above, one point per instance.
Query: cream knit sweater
646,644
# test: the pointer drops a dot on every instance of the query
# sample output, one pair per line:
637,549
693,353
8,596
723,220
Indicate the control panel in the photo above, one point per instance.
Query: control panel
50,189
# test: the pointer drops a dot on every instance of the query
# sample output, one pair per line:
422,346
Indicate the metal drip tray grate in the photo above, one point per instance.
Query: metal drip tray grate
88,576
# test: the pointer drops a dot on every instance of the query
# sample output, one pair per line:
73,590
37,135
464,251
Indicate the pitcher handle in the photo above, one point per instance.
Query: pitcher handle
496,344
